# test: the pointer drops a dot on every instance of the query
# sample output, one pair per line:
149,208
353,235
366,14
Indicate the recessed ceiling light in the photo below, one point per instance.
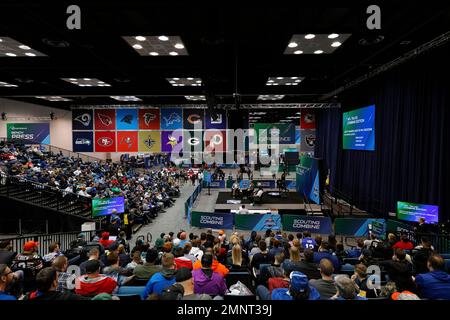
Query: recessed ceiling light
137,46
9,54
171,81
269,84
289,84
87,79
279,78
163,38
333,36
275,84
140,38
30,54
24,47
153,53
336,44
318,52
292,44
179,46
190,78
176,79
294,77
298,52
199,81
298,80
163,45
173,53
310,36
181,85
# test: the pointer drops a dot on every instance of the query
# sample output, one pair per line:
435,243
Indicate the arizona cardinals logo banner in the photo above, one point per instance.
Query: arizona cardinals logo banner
215,140
127,141
105,119
148,119
307,120
193,118
149,141
82,119
193,141
308,140
127,119
82,141
171,119
172,141
105,141
215,119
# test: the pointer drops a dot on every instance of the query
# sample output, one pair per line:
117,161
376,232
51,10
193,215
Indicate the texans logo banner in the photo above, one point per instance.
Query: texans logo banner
149,119
193,141
149,141
127,119
215,140
127,141
105,119
215,119
193,118
307,120
82,119
83,141
172,141
105,141
171,119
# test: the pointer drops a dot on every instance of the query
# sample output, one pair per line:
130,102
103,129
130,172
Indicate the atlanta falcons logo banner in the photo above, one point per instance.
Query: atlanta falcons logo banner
171,119
105,141
149,141
149,119
193,119
127,141
171,141
82,119
105,119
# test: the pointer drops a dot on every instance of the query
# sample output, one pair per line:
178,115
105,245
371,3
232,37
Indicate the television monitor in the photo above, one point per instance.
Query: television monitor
408,211
358,129
105,206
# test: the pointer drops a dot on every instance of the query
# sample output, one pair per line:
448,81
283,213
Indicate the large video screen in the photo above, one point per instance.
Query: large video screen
105,206
359,129
413,212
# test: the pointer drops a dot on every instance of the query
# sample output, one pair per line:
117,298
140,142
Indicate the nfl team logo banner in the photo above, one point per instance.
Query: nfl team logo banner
82,119
172,141
307,120
193,118
215,140
105,119
127,119
212,220
29,132
308,140
257,222
83,141
149,119
171,119
296,223
215,119
193,141
149,141
105,141
127,141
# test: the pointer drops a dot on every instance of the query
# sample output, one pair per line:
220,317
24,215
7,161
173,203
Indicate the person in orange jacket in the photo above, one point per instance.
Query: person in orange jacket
216,265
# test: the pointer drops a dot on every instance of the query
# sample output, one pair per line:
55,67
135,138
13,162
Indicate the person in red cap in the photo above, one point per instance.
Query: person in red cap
30,262
105,240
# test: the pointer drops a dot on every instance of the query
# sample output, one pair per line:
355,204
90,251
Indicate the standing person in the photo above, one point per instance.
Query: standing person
243,210
6,254
307,241
200,177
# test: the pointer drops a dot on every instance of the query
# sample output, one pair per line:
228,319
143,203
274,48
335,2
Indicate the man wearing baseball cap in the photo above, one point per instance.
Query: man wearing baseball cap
299,289
29,257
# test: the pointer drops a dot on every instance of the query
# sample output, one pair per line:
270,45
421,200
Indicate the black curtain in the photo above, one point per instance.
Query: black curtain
411,159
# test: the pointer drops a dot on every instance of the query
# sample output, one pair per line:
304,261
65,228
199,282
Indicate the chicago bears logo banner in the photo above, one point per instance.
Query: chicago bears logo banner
105,141
127,141
172,141
193,119
105,119
215,119
171,119
127,119
149,141
82,119
149,119
83,141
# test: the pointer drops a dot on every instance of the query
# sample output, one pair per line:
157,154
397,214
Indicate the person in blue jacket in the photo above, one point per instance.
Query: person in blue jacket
436,283
324,252
161,280
299,289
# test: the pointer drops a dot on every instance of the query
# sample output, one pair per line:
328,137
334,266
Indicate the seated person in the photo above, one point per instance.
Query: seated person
436,283
206,281
346,289
324,252
360,280
299,289
257,196
149,268
161,280
235,190
93,283
325,286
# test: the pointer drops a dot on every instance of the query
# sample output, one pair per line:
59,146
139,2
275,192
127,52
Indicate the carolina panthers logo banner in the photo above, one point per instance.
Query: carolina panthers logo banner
127,141
171,141
193,118
105,119
105,141
149,141
171,119
215,119
82,119
148,119
127,119
307,120
83,141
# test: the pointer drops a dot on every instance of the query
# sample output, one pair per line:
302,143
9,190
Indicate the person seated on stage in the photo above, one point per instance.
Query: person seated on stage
257,197
249,191
235,191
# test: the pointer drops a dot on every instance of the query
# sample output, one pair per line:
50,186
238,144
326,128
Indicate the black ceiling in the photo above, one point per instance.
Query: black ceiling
233,47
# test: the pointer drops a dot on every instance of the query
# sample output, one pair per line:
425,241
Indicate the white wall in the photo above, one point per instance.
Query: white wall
60,128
